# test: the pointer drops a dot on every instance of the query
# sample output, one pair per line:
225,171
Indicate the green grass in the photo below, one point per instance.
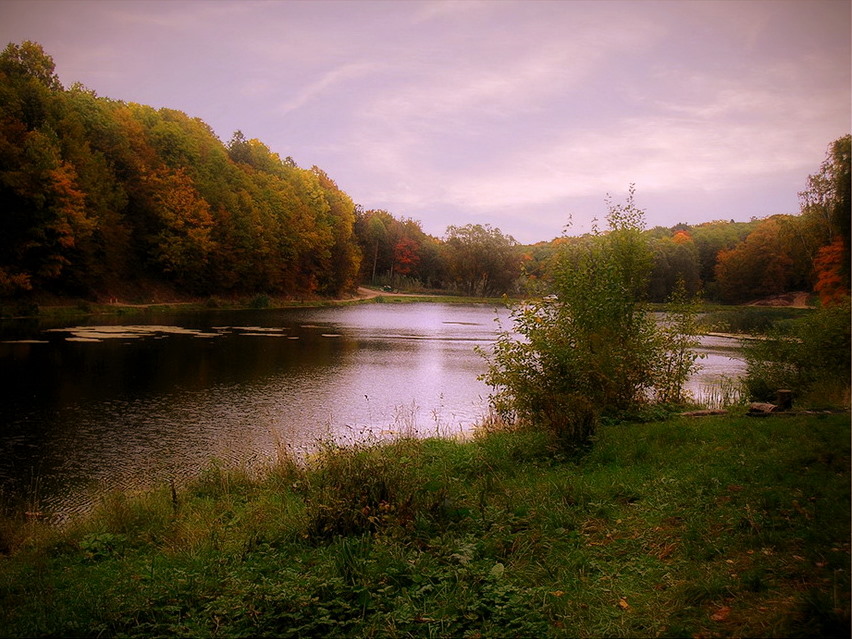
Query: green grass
728,526
81,308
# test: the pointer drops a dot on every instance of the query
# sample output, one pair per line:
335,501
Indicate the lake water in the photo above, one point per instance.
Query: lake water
88,408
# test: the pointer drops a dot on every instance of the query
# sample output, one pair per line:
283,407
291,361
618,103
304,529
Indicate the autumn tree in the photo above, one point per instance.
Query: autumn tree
341,272
711,238
826,204
95,192
759,266
832,285
43,209
180,242
405,256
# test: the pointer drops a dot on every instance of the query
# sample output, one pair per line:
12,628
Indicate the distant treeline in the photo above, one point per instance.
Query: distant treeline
97,193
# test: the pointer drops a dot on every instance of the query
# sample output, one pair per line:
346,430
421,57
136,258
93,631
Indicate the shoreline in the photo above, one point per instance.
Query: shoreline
72,307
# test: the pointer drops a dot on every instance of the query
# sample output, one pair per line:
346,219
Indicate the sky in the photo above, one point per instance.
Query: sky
522,115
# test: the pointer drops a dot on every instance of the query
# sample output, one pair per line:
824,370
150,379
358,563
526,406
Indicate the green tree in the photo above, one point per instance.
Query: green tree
481,260
376,234
675,263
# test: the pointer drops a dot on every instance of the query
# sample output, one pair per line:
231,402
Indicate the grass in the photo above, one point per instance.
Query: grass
723,526
72,309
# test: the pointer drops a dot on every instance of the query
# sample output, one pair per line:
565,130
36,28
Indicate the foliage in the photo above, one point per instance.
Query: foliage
591,349
96,193
712,237
813,357
397,252
675,265
712,527
757,267
828,201
831,285
481,260
677,361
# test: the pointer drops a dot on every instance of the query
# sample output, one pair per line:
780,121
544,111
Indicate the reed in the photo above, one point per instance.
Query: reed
724,393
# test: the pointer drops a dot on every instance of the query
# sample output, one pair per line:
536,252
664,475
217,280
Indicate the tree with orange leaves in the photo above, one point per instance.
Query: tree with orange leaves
830,285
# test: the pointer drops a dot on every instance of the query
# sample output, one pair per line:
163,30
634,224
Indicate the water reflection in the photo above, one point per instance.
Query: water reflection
136,404
155,402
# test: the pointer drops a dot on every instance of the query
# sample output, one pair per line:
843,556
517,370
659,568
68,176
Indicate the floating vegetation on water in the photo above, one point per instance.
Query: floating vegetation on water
100,333
253,334
132,331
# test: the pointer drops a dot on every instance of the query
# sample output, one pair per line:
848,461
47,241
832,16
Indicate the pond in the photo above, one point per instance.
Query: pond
89,408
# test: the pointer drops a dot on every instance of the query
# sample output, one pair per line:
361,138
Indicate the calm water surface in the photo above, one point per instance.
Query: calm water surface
89,408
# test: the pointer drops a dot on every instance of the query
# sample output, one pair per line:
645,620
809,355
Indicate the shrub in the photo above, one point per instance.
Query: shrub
590,349
365,489
677,357
815,356
260,301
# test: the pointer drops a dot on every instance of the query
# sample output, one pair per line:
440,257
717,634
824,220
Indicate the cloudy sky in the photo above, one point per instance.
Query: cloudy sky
521,115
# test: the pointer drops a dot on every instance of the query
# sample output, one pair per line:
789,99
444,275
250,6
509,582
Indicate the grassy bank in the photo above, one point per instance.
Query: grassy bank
69,309
729,526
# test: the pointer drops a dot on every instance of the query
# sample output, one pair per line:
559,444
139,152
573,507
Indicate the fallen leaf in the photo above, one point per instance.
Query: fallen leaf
557,593
721,614
622,603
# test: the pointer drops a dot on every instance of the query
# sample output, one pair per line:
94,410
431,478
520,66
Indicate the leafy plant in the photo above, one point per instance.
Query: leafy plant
678,341
591,349
815,355
101,545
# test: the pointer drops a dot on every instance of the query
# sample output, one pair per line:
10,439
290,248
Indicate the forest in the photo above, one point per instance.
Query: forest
97,194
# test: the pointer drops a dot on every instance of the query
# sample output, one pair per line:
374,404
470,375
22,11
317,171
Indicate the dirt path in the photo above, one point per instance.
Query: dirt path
798,299
368,293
